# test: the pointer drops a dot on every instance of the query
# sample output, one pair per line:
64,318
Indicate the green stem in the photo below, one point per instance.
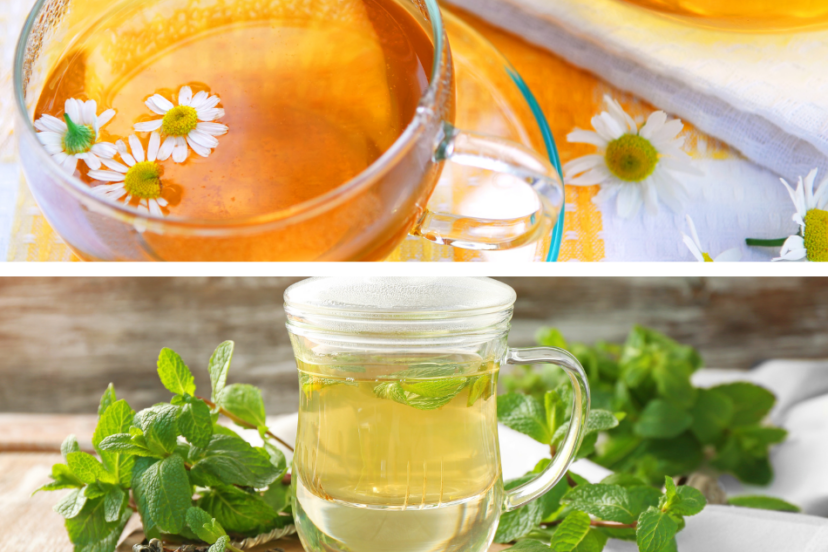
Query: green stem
70,123
766,243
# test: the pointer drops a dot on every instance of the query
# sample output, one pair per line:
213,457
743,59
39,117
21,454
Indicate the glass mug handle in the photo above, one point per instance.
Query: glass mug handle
556,469
499,155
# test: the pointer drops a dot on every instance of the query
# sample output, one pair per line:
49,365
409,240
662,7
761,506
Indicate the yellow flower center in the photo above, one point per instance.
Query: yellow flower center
631,158
179,121
816,235
143,180
707,258
78,138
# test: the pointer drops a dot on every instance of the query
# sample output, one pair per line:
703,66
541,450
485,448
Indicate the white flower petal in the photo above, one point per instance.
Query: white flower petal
203,151
162,103
650,193
115,166
105,117
70,163
148,126
629,200
654,123
53,149
136,147
693,232
106,176
180,151
161,201
92,161
51,124
692,247
733,255
202,138
213,129
155,209
821,195
152,148
166,148
206,102
581,164
809,189
89,111
185,95
793,249
50,138
597,175
104,150
615,109
579,136
59,157
210,114
606,193
669,131
73,109
199,100
615,127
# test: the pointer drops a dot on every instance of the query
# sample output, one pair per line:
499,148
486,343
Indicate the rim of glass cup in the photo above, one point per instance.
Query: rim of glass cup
304,210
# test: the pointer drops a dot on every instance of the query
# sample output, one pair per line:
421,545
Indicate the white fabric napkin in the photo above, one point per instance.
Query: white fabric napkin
764,94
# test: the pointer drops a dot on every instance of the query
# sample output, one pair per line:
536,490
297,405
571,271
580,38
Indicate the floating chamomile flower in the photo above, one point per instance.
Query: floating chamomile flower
76,135
140,178
189,122
732,255
811,243
634,165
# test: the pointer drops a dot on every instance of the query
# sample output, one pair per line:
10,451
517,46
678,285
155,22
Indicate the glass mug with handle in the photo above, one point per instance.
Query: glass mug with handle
364,218
397,445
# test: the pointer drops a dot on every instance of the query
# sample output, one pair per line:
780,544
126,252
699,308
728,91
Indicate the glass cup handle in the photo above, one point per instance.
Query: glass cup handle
499,155
580,410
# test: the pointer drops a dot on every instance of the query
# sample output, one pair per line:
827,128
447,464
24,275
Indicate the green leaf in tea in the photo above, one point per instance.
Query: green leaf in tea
763,503
219,366
480,387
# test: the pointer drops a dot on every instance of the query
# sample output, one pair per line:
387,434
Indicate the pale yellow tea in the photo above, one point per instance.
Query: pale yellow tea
398,454
297,98
745,15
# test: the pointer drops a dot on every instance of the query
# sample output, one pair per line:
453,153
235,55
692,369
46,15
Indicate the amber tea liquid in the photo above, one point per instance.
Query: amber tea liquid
313,91
397,454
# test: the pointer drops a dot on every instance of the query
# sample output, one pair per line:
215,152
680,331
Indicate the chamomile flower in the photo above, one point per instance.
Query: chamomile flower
189,122
694,245
139,178
811,242
636,166
76,135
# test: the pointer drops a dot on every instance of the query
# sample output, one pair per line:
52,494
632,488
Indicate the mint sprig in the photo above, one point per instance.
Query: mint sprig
157,460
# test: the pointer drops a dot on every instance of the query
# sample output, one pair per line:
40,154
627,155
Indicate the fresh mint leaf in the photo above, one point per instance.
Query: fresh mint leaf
107,399
681,501
551,337
220,545
679,455
711,415
625,480
195,422
160,426
126,444
751,403
277,496
240,512
607,502
97,489
168,495
390,390
641,498
116,419
555,410
763,503
85,467
597,420
519,522
204,525
90,527
480,387
244,402
235,462
662,420
72,504
572,530
70,444
745,453
218,367
63,478
655,530
524,414
277,458
529,545
114,501
174,374
110,541
672,379
140,489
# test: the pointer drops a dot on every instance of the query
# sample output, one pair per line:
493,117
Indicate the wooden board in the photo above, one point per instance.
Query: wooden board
64,339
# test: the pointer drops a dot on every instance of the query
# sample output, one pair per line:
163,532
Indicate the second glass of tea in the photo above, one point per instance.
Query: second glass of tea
397,446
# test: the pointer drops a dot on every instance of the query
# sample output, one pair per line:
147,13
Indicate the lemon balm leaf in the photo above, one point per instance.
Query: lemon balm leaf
174,374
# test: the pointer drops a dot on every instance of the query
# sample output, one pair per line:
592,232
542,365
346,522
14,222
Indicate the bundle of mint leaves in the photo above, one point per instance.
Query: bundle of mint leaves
654,426
190,479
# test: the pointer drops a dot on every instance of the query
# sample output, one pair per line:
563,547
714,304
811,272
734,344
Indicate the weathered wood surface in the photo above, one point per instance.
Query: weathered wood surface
64,339
28,523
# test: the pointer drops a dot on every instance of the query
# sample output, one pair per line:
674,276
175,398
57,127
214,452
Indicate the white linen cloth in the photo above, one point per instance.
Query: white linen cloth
801,388
764,94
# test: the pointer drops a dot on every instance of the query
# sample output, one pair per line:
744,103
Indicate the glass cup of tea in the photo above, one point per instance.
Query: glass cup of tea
397,445
340,119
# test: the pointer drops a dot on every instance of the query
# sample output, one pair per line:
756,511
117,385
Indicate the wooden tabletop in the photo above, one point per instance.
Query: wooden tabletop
29,446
